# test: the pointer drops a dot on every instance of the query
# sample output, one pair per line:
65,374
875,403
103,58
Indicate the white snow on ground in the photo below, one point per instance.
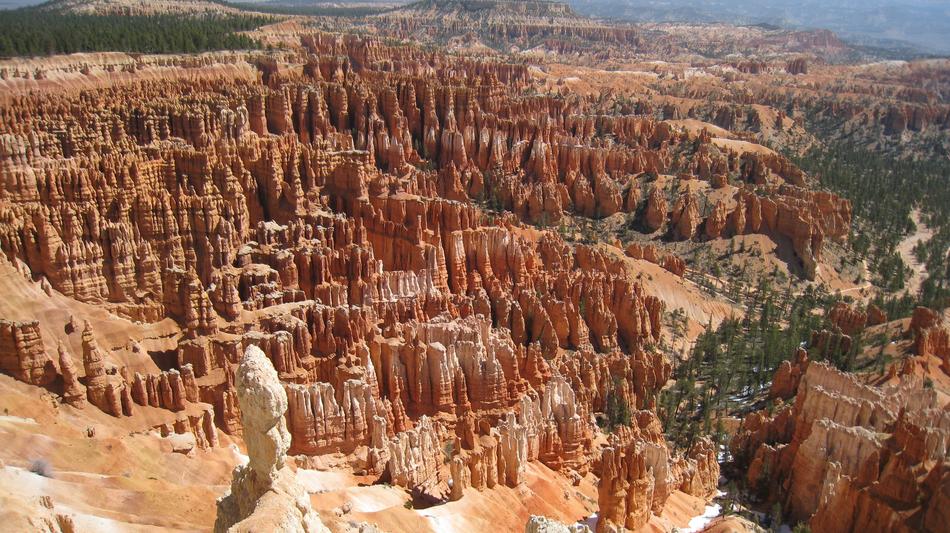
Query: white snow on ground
375,498
241,458
697,523
635,73
446,520
723,456
88,522
27,484
364,499
17,420
440,523
591,521
891,63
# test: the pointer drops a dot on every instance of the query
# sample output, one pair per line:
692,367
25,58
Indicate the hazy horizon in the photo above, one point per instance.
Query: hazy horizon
923,24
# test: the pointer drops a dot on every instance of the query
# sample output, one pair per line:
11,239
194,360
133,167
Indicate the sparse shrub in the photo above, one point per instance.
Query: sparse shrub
448,451
617,411
41,467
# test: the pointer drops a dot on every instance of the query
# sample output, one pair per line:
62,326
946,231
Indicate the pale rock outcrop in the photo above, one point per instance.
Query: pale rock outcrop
416,456
543,524
264,494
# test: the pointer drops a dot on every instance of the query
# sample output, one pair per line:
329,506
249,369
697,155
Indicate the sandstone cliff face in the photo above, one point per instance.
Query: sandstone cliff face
638,473
103,390
931,336
73,391
23,355
804,217
323,204
264,494
847,319
846,456
651,253
656,210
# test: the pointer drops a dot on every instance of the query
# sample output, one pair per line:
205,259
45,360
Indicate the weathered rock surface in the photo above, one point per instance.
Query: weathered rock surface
931,335
73,391
22,353
638,473
377,221
264,494
847,456
847,319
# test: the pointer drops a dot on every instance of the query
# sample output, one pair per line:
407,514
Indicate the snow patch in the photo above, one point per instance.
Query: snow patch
591,521
317,481
17,420
636,73
240,457
698,523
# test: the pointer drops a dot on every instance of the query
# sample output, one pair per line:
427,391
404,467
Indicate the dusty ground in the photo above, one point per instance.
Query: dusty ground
122,478
499,509
906,249
25,300
125,476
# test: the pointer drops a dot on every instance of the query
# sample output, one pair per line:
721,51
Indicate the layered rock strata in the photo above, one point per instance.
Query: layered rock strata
638,473
23,355
845,456
931,334
374,219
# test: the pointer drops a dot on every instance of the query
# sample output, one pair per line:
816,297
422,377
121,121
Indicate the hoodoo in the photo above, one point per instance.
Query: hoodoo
468,265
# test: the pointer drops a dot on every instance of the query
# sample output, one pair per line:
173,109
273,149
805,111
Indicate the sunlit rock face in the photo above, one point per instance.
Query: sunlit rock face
845,455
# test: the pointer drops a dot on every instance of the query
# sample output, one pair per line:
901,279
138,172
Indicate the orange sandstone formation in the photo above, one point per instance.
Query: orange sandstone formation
846,456
22,353
295,218
638,473
931,335
357,234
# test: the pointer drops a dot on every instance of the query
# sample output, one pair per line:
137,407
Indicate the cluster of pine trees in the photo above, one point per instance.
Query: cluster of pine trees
884,190
731,366
36,32
309,9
